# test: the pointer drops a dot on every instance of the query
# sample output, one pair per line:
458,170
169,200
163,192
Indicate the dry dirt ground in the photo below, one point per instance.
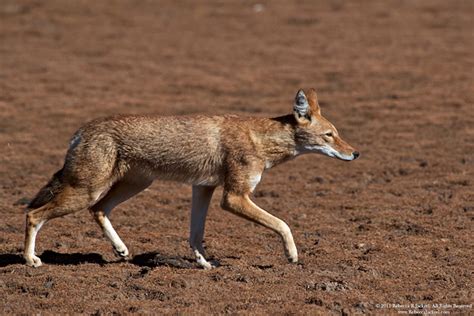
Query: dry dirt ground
394,227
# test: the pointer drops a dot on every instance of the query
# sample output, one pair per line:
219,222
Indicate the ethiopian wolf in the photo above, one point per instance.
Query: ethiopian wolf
110,160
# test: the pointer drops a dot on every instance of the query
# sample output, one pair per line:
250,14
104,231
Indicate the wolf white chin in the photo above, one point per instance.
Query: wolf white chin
327,151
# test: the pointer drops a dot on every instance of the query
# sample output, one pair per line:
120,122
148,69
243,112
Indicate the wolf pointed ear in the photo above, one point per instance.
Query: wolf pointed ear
301,107
313,102
306,105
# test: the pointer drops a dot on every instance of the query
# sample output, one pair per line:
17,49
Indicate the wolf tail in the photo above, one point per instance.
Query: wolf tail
48,192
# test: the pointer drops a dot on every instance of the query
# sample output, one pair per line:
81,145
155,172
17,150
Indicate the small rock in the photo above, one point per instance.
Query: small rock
242,278
423,164
258,7
317,179
49,282
314,301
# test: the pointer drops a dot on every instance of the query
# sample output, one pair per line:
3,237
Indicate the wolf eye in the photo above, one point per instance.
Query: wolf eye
329,134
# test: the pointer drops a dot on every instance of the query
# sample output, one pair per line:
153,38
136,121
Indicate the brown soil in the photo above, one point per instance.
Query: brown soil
395,226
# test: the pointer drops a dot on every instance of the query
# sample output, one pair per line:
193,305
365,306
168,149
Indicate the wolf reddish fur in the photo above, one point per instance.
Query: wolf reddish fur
110,160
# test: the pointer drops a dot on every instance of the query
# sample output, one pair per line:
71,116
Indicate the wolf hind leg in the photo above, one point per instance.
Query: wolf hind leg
120,192
68,200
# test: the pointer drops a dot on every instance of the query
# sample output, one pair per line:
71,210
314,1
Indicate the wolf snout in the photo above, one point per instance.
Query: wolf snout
355,154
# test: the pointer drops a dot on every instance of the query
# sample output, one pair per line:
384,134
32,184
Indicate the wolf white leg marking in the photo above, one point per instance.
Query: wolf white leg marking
101,211
30,256
117,243
200,204
102,218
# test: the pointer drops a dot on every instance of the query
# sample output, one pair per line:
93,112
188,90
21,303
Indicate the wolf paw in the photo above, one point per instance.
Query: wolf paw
33,261
121,252
292,256
205,264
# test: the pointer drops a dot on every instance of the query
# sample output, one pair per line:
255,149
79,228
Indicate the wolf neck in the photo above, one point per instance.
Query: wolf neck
275,139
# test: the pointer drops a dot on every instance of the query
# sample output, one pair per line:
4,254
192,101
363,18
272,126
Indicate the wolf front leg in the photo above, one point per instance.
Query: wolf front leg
241,205
200,204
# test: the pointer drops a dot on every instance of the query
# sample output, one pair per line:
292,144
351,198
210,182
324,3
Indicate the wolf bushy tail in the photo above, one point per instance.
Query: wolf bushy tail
48,192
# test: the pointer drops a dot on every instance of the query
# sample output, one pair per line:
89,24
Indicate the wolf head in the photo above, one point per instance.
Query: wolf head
314,133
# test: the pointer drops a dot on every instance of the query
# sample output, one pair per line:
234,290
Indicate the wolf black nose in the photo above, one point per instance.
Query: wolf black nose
355,154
